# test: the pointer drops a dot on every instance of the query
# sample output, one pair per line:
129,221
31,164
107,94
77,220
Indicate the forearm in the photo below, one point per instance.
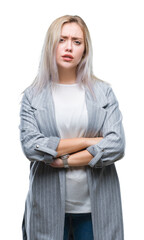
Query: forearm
81,158
73,145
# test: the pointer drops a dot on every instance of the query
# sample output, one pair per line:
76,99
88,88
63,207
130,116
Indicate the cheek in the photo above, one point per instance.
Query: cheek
80,54
58,51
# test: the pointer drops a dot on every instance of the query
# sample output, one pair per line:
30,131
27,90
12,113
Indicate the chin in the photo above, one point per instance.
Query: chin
67,65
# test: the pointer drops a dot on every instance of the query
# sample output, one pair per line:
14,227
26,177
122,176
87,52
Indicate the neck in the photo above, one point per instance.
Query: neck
67,76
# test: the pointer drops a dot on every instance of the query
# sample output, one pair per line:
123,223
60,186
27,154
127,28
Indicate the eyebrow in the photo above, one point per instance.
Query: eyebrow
74,38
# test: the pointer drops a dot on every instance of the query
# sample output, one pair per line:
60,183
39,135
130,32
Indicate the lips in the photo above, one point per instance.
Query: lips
67,57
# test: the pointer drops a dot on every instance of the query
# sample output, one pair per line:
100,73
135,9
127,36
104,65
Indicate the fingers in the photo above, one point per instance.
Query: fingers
57,163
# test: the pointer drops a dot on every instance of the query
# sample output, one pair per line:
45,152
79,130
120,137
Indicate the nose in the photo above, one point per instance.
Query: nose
69,46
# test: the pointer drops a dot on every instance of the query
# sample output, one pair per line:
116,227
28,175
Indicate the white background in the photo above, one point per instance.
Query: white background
116,29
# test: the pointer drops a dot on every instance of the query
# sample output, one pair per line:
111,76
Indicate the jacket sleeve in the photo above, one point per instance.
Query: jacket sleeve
111,147
35,145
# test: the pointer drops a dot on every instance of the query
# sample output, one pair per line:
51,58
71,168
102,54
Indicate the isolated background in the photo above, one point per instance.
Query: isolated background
117,33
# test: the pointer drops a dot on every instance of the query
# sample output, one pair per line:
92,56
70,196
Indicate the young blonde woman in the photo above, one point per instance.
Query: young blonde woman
71,131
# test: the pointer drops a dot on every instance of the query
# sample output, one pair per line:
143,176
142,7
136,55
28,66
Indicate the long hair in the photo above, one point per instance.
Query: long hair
48,71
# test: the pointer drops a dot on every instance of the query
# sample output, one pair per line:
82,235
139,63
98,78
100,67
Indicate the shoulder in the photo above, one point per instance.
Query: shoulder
101,86
103,92
35,97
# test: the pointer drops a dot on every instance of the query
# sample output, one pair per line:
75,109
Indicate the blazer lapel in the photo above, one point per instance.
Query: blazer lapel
45,112
96,112
45,116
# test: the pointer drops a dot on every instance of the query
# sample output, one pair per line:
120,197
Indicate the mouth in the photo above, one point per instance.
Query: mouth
67,57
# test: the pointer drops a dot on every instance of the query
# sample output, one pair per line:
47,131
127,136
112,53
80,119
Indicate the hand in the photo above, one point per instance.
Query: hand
57,163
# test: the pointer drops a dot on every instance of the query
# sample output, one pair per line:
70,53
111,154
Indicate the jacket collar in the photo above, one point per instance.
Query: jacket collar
95,108
42,99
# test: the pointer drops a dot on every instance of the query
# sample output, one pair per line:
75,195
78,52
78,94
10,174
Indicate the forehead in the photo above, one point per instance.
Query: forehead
72,29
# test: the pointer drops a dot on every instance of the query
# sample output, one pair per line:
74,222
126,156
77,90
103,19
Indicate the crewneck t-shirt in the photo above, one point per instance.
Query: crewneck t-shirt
72,119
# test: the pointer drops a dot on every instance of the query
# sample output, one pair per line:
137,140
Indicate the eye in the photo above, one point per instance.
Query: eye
61,40
77,42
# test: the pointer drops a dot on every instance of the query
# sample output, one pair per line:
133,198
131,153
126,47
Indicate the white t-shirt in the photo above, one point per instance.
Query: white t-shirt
72,119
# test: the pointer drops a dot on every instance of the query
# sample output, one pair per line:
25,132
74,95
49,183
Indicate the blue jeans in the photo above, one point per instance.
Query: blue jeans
79,225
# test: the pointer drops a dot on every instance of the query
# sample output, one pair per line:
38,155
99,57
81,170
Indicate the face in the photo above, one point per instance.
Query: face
71,46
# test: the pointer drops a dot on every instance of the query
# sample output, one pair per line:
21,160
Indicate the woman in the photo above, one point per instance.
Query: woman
71,131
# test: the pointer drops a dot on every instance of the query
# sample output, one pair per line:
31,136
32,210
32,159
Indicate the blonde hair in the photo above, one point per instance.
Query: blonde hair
48,71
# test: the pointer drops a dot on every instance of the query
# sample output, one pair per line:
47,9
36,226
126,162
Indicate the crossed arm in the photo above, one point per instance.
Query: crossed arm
95,152
76,147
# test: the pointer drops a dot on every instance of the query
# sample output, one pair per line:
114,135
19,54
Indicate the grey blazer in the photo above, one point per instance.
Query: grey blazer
39,135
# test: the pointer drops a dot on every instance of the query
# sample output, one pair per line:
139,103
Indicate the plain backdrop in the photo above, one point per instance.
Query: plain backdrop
116,29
